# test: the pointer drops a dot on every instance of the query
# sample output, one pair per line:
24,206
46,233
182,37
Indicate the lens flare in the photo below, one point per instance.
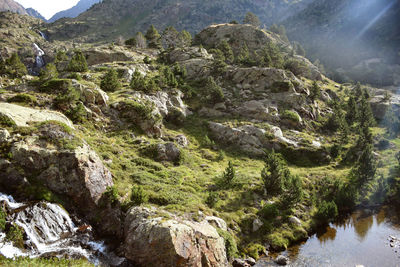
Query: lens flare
375,19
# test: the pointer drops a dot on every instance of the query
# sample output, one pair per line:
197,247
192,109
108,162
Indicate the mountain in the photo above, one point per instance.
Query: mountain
109,19
10,5
355,40
74,11
34,13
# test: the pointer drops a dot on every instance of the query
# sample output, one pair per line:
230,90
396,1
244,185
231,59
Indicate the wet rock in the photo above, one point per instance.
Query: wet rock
282,260
240,263
151,240
250,261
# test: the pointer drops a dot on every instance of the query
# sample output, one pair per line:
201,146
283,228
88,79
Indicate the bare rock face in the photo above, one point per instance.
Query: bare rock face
151,240
23,115
78,174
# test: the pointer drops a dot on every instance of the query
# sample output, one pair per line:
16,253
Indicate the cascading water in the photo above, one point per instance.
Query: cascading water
44,36
39,53
50,232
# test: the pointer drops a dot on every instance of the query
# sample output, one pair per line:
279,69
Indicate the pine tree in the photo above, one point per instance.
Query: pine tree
213,91
141,41
48,73
229,174
110,81
274,174
365,117
293,192
14,67
315,91
78,62
184,39
153,37
227,51
252,19
352,110
169,37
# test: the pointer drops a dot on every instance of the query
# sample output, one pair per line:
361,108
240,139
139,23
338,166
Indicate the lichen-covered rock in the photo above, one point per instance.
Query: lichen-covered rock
91,94
23,115
167,152
151,240
186,53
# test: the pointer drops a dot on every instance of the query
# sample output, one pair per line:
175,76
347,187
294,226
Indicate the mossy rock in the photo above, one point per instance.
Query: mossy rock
56,85
282,86
23,98
6,121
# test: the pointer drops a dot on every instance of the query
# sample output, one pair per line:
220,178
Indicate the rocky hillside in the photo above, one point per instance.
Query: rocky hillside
355,40
110,19
229,145
12,6
74,11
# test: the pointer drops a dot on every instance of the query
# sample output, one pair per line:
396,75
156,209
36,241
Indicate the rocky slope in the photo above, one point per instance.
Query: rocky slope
74,11
165,152
12,6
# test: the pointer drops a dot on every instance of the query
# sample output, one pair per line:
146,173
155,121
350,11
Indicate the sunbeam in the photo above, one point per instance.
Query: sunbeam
372,22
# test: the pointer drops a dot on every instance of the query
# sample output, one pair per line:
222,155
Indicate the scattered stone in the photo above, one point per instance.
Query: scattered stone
240,263
4,135
167,152
282,260
181,140
217,222
257,224
295,220
250,261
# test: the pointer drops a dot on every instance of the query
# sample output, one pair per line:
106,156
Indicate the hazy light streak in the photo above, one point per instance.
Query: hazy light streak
369,25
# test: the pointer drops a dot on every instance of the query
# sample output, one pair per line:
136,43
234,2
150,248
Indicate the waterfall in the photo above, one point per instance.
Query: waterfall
51,232
44,36
39,61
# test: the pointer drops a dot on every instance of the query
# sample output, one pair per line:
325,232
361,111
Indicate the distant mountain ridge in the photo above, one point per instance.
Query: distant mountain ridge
74,11
12,6
34,13
109,19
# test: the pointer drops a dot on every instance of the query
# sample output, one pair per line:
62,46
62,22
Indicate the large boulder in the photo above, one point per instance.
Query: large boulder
23,115
151,240
237,35
78,174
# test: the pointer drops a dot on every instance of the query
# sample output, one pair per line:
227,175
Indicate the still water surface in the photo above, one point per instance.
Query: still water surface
360,239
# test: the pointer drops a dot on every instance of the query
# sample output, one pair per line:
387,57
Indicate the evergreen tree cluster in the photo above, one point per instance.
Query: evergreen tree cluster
13,67
278,180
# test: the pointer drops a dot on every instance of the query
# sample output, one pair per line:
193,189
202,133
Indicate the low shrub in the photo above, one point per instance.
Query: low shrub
138,195
23,98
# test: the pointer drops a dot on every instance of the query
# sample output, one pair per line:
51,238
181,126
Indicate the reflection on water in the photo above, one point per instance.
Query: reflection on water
359,239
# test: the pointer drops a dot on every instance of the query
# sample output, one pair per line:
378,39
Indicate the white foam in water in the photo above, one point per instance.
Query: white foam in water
49,230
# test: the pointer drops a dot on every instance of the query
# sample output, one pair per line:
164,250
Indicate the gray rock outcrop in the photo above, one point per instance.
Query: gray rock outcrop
151,240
